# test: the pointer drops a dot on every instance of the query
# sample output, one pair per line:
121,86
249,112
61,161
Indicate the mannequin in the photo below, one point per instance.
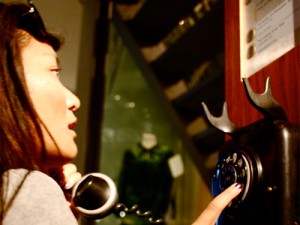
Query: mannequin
146,179
148,141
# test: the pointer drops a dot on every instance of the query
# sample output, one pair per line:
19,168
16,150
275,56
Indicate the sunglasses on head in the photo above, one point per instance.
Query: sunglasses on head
32,22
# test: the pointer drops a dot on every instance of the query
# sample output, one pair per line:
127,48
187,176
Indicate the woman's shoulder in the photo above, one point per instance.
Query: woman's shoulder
36,198
29,183
26,177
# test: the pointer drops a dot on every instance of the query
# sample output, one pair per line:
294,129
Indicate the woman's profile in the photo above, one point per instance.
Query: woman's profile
37,120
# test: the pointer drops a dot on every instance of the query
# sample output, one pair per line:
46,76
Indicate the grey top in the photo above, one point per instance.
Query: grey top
40,200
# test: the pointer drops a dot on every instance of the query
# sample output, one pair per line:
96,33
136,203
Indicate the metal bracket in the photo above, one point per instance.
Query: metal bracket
264,103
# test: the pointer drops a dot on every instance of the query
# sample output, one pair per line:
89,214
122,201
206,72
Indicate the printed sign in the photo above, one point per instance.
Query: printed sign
268,29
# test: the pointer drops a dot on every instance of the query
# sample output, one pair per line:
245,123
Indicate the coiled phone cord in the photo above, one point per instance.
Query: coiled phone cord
95,196
135,208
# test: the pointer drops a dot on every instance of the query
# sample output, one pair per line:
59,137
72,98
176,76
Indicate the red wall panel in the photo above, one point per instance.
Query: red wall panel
284,74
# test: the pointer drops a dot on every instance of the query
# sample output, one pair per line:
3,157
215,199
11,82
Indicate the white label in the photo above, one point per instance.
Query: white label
176,165
274,26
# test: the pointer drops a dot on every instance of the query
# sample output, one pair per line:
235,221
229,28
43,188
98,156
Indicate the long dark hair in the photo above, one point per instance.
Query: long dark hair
21,138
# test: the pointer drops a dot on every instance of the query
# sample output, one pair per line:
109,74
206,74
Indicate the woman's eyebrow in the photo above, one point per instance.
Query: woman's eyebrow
53,57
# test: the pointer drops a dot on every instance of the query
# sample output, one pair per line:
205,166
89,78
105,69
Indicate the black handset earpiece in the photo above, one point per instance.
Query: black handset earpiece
95,196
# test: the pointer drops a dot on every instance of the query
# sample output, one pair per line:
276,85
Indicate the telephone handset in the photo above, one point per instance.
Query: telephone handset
264,158
95,196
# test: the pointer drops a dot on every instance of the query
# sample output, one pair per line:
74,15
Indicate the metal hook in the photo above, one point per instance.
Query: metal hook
223,122
265,102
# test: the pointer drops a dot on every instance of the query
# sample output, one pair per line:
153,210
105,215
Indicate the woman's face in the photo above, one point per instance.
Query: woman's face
54,103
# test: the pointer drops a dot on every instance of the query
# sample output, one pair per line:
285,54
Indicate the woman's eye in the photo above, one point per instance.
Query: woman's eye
56,72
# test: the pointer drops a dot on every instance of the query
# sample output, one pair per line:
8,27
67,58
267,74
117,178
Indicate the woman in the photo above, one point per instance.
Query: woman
37,140
36,124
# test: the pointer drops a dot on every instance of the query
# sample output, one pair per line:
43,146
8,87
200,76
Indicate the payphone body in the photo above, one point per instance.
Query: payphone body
264,158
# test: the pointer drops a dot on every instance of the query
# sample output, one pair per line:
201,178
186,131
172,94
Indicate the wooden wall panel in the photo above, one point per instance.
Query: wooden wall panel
284,74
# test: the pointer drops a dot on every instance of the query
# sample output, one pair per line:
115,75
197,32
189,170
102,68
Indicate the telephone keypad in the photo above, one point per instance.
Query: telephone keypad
232,168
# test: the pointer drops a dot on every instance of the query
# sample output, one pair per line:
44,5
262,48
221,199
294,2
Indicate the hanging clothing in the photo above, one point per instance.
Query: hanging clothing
146,180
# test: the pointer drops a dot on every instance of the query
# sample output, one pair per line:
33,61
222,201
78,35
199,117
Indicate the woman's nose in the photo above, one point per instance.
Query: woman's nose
73,102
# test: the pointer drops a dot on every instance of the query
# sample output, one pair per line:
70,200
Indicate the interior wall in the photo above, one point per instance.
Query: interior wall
85,73
283,72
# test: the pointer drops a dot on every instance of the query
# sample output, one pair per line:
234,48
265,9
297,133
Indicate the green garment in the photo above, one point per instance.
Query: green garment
146,180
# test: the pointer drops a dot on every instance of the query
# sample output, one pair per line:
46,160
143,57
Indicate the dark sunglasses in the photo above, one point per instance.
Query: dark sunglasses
32,22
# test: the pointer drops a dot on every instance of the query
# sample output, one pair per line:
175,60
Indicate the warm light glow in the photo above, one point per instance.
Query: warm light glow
122,214
117,97
130,105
